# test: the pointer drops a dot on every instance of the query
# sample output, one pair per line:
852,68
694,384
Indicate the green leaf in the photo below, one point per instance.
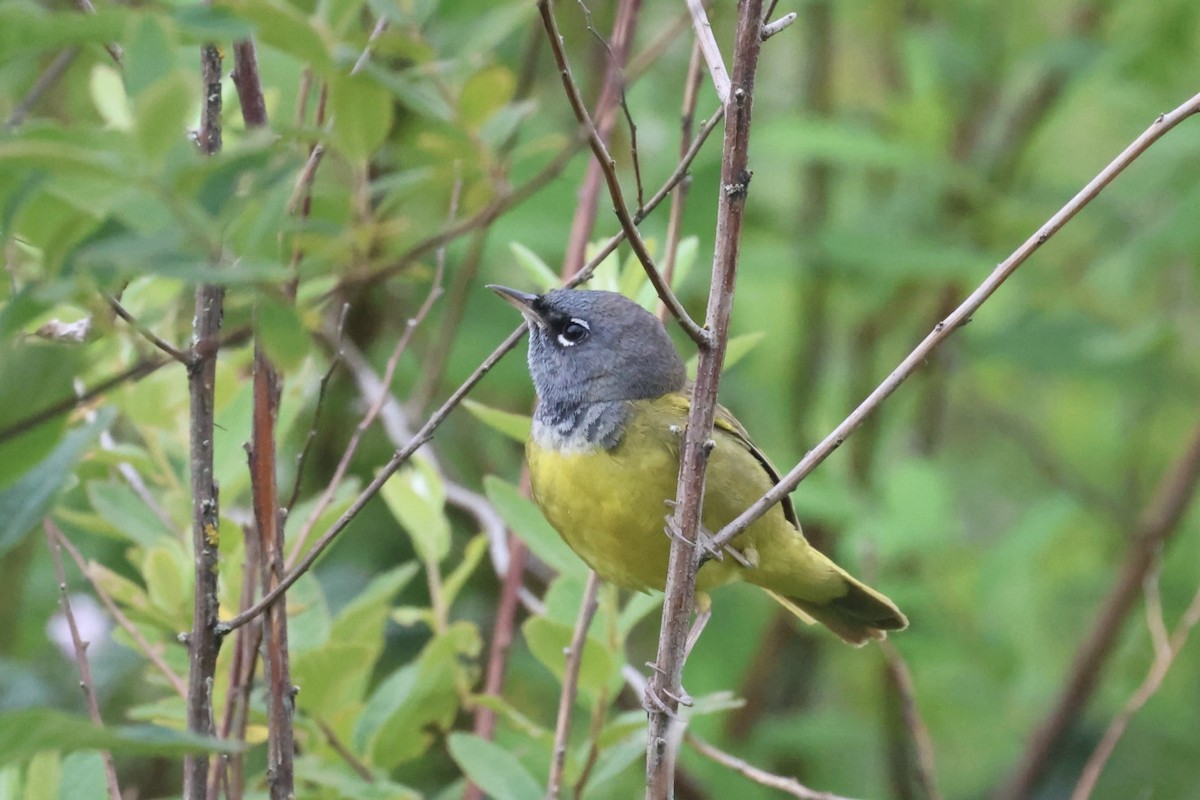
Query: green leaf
548,641
168,584
83,777
514,426
416,498
492,768
282,333
363,618
24,503
404,712
453,583
108,95
24,733
150,54
527,522
536,270
362,115
129,517
163,111
484,94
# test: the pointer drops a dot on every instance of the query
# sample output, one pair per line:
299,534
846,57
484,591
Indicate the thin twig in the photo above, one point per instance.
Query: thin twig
381,397
150,336
339,747
665,684
381,25
608,166
1163,659
915,760
566,700
322,391
152,653
611,88
789,786
687,121
959,317
708,46
45,81
54,539
1158,522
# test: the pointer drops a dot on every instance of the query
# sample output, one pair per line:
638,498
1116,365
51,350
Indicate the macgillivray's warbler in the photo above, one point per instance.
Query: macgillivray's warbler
603,457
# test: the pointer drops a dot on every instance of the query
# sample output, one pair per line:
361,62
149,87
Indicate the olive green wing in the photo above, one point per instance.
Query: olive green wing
727,422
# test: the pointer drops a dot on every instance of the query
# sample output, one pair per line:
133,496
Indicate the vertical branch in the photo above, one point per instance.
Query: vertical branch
665,685
1159,521
566,700
605,115
204,641
265,493
54,539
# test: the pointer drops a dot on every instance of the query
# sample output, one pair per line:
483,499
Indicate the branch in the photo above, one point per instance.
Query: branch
150,336
566,700
959,317
151,653
54,539
697,334
204,641
712,53
45,81
665,685
1163,658
1159,521
789,786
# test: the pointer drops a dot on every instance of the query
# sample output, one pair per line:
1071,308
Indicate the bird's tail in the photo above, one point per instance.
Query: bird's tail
858,616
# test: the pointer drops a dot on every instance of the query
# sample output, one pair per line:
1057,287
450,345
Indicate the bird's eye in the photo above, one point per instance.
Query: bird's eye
573,333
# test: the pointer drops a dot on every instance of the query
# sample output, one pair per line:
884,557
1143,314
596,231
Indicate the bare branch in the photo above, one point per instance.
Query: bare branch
959,317
665,684
566,700
152,653
150,336
45,81
54,538
789,786
712,53
1163,659
204,642
608,166
1159,521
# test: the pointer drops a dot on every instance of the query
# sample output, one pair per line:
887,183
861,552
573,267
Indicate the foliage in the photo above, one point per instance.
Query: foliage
994,497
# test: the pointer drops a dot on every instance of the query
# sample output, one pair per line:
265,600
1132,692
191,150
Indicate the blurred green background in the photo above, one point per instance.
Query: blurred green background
899,150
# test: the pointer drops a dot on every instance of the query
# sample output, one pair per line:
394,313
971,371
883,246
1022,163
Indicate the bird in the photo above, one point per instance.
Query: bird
603,454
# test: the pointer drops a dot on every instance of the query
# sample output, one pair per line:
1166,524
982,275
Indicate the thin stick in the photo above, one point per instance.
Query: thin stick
1158,522
381,25
54,539
152,654
789,786
665,685
150,336
608,166
708,46
566,700
959,317
45,81
204,642
1163,659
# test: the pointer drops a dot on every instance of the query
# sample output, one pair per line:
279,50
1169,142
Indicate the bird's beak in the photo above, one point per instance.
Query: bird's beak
521,301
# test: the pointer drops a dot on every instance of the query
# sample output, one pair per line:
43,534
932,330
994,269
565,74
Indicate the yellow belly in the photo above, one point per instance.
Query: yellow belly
611,508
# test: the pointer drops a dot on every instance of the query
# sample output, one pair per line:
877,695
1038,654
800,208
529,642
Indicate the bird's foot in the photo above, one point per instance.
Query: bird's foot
659,699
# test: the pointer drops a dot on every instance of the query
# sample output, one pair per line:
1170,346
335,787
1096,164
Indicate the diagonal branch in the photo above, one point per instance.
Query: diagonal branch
959,317
1158,522
708,46
620,208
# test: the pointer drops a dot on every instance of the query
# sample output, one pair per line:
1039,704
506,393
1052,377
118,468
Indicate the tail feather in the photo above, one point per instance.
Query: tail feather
857,617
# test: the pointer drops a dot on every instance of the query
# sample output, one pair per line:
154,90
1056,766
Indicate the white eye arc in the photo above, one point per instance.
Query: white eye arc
574,332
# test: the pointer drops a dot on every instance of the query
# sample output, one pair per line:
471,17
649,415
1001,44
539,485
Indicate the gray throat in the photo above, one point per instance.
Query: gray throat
580,427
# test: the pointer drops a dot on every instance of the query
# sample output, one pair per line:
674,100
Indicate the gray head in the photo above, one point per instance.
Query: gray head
594,347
